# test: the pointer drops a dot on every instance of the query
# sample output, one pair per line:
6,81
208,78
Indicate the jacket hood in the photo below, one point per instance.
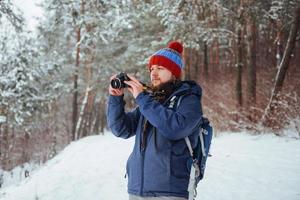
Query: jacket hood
189,87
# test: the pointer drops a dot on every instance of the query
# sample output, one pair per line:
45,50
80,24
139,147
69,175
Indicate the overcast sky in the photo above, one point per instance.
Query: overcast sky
31,11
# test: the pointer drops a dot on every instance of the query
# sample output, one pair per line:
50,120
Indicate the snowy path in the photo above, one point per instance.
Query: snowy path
242,167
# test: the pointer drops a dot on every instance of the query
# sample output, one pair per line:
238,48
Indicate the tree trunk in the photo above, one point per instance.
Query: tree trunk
279,45
251,69
216,41
87,116
188,64
197,66
102,116
4,146
270,109
78,130
238,86
211,56
239,65
75,93
96,123
205,61
3,137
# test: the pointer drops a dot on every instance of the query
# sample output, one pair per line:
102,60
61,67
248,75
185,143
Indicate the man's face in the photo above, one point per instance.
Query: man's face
159,75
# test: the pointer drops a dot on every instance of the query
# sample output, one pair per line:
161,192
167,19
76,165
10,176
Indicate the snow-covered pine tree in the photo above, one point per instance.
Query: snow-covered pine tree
11,14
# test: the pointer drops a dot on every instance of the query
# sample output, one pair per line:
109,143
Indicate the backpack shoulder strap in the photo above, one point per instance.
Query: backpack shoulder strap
187,140
175,101
189,145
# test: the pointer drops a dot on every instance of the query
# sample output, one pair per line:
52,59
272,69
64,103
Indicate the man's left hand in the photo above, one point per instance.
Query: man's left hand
135,87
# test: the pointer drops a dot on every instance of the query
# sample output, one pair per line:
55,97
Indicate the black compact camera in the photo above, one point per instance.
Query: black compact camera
118,82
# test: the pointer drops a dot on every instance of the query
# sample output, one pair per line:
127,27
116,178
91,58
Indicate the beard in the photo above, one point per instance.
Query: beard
164,90
165,86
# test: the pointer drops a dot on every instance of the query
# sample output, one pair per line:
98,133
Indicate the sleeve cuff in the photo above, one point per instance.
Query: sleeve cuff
115,100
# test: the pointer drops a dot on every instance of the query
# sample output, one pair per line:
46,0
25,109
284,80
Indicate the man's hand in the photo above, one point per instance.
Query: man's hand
135,87
115,92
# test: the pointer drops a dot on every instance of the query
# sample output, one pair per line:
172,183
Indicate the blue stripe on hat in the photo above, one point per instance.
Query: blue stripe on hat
171,55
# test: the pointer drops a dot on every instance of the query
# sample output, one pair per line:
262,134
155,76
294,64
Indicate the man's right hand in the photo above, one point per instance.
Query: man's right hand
115,92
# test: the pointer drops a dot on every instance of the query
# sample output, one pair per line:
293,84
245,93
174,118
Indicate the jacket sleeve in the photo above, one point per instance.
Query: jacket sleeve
173,124
121,124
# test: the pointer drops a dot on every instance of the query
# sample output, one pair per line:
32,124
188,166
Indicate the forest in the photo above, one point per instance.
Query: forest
54,80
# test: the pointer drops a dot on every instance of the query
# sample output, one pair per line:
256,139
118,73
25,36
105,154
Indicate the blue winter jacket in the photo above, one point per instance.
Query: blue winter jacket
160,168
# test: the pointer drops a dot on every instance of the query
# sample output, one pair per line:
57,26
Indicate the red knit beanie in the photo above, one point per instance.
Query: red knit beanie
170,58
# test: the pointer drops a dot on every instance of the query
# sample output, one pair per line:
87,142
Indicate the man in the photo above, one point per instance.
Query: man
158,167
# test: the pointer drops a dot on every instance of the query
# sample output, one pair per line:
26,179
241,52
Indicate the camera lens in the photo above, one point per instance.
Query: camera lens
116,83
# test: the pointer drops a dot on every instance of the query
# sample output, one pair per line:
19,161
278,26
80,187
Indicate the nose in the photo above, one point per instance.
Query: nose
154,72
154,75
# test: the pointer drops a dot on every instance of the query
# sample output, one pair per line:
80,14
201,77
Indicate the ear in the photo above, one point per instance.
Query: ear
173,79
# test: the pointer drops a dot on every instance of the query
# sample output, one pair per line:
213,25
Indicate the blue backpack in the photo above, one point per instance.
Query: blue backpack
200,153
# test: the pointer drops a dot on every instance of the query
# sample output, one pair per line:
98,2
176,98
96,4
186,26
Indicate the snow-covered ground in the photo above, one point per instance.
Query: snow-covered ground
17,174
244,167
